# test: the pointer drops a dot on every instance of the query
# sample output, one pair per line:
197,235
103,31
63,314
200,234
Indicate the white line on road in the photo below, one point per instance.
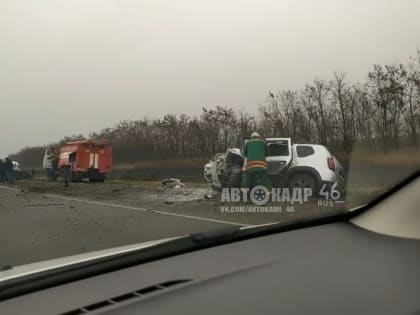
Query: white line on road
106,204
8,188
114,205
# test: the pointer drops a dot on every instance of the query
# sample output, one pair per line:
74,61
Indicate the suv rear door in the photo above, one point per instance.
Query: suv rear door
279,154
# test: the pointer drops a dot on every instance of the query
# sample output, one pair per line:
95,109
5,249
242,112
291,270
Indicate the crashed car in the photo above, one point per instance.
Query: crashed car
16,166
289,165
20,173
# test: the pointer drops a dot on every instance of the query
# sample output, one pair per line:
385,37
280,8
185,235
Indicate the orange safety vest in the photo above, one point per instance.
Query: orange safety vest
256,165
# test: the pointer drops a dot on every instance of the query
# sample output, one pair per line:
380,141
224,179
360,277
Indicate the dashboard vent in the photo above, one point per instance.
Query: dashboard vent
125,297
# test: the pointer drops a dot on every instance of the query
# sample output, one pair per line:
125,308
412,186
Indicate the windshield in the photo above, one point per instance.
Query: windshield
126,122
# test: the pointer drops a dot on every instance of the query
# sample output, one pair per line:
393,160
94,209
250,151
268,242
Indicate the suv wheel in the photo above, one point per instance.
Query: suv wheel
303,180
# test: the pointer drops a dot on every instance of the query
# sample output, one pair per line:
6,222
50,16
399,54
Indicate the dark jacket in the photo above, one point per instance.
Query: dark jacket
9,166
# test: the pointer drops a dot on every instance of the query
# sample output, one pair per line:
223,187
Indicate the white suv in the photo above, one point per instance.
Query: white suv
313,162
289,165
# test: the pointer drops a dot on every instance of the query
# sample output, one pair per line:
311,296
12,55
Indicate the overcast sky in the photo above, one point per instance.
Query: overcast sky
80,65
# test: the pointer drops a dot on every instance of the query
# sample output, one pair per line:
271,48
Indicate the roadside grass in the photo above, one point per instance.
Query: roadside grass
162,164
407,156
357,165
187,170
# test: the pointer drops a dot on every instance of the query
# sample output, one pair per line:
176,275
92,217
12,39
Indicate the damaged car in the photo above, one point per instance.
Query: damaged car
21,173
289,165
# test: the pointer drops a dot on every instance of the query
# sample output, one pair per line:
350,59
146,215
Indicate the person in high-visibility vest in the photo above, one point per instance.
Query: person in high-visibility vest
256,165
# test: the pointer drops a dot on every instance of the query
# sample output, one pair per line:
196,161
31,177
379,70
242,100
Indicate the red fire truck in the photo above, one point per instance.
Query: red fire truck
87,159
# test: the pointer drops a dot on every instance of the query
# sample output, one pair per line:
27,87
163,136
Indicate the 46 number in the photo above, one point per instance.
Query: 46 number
332,193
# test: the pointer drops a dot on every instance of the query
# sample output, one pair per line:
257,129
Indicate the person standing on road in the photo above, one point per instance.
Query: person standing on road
2,171
52,163
9,170
66,175
256,165
68,169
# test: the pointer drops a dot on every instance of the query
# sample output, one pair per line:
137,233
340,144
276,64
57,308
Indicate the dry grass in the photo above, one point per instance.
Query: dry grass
404,157
153,171
152,164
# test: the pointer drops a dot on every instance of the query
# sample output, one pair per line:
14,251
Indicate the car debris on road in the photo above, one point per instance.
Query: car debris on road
172,183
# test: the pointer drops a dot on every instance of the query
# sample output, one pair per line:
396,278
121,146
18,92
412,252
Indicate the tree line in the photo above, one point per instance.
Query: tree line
383,113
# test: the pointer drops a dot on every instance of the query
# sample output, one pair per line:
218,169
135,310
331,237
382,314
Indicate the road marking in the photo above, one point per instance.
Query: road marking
114,205
8,188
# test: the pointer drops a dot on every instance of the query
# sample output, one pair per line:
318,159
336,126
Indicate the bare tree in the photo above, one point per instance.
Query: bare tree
383,112
342,100
315,98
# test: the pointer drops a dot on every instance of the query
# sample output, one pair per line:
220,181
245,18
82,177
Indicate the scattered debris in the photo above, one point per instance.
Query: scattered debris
172,183
44,204
23,174
37,189
209,196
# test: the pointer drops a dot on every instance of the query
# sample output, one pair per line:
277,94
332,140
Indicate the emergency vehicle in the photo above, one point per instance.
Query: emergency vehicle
86,159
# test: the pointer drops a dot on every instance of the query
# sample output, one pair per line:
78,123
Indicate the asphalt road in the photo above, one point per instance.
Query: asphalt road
36,227
40,221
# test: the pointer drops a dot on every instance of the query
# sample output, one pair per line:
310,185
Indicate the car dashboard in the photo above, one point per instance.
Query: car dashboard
332,268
